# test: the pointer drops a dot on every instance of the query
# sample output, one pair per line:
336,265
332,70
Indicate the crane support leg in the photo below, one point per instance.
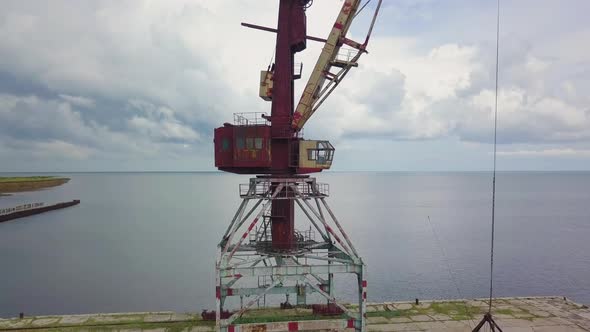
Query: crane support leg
251,268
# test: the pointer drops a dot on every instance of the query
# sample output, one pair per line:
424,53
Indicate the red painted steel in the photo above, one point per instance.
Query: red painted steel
293,326
259,27
291,38
329,309
279,138
210,315
350,323
243,149
283,224
263,148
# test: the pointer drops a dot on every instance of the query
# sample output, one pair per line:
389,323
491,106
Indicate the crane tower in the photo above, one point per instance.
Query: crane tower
263,255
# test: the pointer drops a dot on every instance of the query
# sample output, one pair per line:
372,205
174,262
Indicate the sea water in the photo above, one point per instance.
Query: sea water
147,241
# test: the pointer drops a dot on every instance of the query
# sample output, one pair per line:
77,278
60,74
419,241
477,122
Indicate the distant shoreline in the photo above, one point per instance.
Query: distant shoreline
29,183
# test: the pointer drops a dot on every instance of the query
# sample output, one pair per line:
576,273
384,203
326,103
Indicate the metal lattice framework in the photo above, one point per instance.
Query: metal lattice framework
248,266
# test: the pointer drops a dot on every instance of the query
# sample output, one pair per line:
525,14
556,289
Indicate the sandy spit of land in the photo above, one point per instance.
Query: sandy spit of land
33,183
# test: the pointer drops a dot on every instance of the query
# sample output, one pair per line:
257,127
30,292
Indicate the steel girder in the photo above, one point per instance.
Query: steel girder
243,261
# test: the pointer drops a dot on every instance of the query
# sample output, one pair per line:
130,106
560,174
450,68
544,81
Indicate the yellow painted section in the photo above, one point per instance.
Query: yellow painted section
266,84
303,147
304,109
304,162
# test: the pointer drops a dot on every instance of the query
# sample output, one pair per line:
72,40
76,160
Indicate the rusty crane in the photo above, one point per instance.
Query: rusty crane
262,254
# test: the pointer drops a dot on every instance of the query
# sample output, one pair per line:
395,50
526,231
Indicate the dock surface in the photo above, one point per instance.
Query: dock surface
544,314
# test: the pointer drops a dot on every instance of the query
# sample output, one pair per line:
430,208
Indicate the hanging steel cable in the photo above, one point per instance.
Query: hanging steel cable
495,145
363,7
488,316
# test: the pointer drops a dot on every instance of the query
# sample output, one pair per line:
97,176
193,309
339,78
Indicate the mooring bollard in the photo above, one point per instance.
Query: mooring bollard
21,315
417,302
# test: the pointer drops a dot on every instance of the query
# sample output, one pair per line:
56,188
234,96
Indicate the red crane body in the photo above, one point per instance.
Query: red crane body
279,136
290,39
272,146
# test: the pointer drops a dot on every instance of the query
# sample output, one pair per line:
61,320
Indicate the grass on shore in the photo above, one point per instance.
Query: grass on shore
28,178
17,184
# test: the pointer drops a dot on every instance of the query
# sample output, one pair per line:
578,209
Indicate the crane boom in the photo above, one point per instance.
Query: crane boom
315,92
260,144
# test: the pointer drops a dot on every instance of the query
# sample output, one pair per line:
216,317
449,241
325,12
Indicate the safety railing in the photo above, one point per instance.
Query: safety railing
250,119
19,208
292,188
261,233
306,235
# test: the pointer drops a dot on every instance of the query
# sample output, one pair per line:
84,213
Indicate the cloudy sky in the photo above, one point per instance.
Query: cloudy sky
140,85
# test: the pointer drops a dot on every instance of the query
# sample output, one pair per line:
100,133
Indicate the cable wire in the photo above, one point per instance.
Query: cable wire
495,153
451,274
360,10
271,60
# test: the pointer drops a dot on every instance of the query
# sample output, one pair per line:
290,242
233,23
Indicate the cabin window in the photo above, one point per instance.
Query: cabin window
312,154
322,154
225,144
323,157
240,143
258,143
249,143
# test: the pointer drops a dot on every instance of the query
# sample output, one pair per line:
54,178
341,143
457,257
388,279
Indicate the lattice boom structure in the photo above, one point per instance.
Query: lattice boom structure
249,266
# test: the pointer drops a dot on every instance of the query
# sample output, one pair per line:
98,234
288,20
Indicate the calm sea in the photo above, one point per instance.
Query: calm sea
147,241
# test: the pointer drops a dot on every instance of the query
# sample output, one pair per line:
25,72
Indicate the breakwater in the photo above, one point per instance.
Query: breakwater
26,210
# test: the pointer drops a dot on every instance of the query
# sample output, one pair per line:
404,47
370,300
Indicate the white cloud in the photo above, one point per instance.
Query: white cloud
53,148
165,129
54,128
134,79
397,89
78,100
159,123
447,91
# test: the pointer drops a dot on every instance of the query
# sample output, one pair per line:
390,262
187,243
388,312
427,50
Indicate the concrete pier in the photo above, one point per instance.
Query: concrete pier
543,314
